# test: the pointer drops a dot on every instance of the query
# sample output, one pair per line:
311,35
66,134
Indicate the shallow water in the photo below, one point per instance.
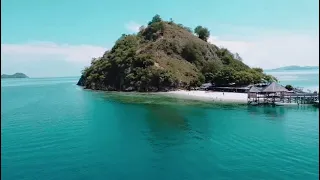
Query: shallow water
53,129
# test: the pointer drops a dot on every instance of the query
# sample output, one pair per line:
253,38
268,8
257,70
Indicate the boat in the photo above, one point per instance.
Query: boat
285,104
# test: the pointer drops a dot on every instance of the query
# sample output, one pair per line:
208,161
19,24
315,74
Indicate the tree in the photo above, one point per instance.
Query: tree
202,32
225,76
212,67
185,28
155,19
244,78
256,75
209,77
94,60
269,78
191,52
171,21
258,70
237,57
154,30
289,87
141,28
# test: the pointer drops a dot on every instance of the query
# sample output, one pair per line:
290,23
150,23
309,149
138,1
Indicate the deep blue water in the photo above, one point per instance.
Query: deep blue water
53,129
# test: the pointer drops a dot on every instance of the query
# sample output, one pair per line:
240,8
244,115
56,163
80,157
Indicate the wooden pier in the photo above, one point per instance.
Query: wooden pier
275,94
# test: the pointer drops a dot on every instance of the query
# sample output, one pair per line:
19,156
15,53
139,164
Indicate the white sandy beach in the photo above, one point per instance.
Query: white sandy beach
209,96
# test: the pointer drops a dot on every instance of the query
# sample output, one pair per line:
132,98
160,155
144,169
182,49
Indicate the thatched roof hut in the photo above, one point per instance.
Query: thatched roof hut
274,87
253,89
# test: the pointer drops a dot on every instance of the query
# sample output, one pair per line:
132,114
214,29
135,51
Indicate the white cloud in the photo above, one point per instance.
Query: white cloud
133,26
50,50
272,51
265,50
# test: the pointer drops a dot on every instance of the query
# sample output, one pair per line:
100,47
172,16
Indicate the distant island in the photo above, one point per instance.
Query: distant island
16,75
295,68
165,55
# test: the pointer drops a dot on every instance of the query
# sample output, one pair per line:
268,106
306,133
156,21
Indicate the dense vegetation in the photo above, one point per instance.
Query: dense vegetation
289,87
165,55
16,75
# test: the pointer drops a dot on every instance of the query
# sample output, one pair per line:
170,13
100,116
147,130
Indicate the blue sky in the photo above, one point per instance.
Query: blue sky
58,38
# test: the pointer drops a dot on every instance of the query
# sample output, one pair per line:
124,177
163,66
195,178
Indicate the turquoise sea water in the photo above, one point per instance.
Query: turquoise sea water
53,129
306,79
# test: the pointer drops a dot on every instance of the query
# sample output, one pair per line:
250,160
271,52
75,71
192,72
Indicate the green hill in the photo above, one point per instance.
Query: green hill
165,55
16,75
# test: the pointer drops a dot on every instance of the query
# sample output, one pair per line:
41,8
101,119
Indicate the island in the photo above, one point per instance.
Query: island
295,68
16,75
167,56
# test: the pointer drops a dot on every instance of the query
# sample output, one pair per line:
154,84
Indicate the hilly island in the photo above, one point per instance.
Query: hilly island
165,56
15,75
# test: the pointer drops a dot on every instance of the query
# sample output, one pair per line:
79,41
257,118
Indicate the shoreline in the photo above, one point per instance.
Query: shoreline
212,97
208,96
227,97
